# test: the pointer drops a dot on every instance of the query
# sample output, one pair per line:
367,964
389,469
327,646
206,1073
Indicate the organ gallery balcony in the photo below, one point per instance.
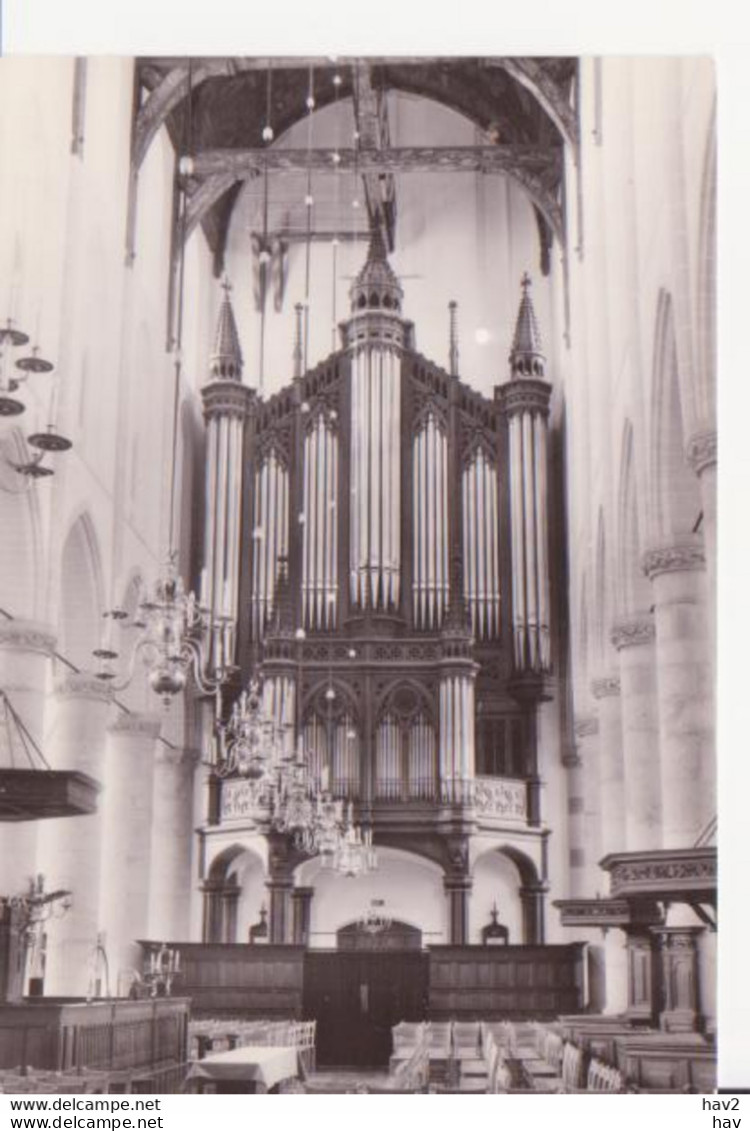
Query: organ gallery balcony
483,801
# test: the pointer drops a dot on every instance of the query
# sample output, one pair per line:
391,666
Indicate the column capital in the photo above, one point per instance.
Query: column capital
673,559
571,759
605,687
27,636
136,725
586,727
82,685
633,632
701,450
457,883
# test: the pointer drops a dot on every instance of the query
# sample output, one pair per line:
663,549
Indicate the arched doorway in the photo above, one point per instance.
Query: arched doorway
233,895
506,878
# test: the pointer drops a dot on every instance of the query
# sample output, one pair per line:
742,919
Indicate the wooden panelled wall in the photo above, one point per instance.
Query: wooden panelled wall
105,1034
476,982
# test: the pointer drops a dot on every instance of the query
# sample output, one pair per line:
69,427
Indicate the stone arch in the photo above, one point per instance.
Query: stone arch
20,591
409,882
233,894
513,871
80,620
633,592
675,495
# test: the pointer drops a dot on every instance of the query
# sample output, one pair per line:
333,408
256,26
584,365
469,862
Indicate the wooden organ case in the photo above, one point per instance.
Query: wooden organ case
399,518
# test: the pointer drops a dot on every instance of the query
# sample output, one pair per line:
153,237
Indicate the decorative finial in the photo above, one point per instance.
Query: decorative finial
527,355
226,358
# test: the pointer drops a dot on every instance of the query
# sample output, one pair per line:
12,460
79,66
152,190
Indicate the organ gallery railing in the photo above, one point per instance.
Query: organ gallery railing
491,798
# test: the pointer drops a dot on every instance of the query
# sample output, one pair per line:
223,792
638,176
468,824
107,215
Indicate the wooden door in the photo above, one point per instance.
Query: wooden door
357,997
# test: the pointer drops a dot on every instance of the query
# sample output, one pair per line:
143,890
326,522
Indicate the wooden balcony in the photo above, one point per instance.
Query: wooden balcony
490,802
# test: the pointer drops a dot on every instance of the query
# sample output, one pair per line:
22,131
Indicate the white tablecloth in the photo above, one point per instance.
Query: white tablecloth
256,1063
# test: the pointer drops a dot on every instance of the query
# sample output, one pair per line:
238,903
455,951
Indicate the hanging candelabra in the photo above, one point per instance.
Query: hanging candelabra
375,920
11,379
249,744
177,635
173,634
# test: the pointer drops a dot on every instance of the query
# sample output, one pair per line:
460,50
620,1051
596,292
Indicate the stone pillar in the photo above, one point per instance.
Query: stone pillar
70,848
279,897
606,691
171,843
25,647
212,911
634,641
126,849
301,900
702,457
576,830
458,890
532,910
587,741
679,975
685,692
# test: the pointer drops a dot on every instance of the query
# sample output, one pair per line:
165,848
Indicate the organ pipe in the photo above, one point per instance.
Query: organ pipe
320,536
226,403
430,587
457,757
270,536
375,539
480,546
525,400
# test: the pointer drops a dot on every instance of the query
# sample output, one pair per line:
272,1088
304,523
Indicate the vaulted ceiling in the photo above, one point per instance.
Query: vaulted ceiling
216,109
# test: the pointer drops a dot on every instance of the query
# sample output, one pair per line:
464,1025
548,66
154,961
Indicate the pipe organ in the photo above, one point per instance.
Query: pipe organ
320,527
480,545
226,403
375,553
430,514
270,536
400,519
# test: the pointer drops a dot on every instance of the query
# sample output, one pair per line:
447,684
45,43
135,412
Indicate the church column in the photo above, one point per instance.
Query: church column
458,891
576,826
684,680
279,886
587,741
25,648
606,692
279,900
634,641
532,911
301,900
126,849
171,842
70,848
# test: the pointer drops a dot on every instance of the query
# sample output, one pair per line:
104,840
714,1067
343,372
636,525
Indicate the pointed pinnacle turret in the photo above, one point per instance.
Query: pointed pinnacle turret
226,357
377,286
527,353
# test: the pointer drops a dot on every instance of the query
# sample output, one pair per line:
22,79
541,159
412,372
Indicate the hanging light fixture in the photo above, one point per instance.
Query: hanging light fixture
375,920
249,744
12,339
173,627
